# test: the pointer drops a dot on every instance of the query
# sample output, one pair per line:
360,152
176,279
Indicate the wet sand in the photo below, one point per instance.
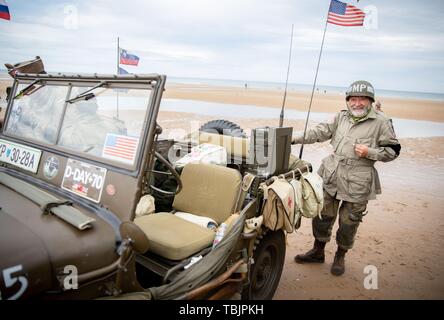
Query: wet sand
402,235
322,102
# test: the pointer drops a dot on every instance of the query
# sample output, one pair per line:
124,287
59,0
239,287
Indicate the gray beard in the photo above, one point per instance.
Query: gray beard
359,114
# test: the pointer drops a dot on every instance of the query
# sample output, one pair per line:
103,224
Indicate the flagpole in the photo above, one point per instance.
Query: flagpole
281,118
118,60
314,85
118,45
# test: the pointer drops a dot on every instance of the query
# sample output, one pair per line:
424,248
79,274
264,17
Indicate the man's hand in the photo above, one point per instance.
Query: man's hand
361,150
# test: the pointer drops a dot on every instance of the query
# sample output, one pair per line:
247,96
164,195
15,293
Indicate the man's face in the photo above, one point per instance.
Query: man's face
358,106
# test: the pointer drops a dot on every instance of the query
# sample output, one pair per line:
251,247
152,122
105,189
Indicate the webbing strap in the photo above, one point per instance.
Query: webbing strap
46,207
247,181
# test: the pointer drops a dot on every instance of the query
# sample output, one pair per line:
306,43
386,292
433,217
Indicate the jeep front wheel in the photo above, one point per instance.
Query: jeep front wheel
265,272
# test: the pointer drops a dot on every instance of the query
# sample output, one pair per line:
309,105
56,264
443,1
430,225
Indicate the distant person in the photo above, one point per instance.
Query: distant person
360,136
246,86
378,106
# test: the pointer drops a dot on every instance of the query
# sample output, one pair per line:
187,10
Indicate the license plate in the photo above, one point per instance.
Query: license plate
84,179
19,155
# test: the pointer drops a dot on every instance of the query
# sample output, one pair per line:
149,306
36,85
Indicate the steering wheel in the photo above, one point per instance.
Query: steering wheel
173,171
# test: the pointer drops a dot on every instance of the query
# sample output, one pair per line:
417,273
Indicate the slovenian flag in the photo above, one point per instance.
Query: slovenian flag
123,71
128,58
4,11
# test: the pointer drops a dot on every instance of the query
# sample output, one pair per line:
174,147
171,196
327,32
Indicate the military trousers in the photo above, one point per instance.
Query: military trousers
350,216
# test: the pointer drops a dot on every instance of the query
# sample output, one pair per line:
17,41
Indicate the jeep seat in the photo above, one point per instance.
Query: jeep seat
208,190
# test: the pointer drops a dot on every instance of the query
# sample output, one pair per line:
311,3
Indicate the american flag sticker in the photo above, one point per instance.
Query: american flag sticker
120,148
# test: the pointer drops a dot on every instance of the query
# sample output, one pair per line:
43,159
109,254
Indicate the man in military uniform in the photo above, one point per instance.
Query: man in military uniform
360,136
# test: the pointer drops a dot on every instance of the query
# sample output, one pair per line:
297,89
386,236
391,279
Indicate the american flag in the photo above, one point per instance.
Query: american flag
343,14
122,148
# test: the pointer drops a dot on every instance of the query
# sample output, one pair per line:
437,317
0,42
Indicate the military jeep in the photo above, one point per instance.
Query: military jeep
78,153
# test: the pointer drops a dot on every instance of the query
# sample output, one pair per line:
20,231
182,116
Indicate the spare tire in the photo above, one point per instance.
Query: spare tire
224,127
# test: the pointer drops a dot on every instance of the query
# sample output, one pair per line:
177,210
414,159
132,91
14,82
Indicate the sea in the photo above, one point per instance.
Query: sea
304,87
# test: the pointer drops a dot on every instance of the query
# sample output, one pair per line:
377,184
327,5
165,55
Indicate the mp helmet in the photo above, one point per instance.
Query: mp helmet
360,88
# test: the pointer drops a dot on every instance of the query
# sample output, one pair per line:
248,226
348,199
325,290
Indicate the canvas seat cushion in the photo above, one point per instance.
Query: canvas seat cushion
209,190
172,237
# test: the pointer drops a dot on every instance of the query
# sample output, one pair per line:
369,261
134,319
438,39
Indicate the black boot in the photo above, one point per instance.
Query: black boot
338,266
315,255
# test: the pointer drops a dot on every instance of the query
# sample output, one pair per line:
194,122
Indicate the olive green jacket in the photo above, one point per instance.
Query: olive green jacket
347,176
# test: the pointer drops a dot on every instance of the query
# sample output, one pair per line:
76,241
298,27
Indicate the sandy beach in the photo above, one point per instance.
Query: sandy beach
403,233
299,100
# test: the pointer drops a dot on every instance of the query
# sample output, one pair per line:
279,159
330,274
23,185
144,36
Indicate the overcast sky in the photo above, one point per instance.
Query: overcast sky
233,39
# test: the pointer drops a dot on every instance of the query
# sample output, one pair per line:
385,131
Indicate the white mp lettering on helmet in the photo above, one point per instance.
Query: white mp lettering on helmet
355,88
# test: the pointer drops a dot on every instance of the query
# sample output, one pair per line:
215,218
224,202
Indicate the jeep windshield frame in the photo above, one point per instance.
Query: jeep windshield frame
28,90
149,87
86,95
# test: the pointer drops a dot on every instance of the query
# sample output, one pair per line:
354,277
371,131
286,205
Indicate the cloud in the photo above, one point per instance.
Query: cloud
245,40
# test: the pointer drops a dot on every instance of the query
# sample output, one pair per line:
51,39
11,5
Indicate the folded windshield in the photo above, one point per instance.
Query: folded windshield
106,123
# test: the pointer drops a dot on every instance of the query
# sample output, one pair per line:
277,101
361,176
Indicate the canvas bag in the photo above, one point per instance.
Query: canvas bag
296,184
279,205
311,185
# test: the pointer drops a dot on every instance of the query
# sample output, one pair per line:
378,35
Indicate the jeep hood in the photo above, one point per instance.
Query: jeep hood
35,247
